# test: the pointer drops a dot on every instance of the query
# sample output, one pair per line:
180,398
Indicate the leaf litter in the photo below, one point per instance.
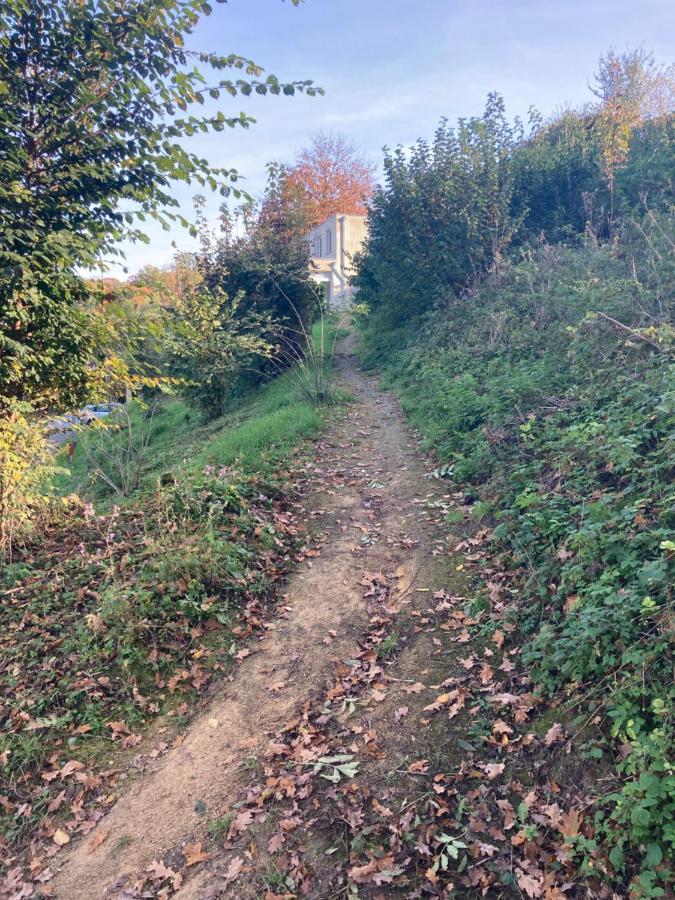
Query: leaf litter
477,805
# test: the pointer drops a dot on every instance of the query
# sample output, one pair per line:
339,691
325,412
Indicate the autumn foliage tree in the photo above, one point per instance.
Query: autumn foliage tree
329,176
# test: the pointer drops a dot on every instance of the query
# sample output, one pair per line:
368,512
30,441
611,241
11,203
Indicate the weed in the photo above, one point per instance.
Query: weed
561,435
123,842
388,645
275,880
143,594
218,828
251,764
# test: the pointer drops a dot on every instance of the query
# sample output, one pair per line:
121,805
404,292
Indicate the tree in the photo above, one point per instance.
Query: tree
209,340
96,99
631,89
443,216
329,176
267,268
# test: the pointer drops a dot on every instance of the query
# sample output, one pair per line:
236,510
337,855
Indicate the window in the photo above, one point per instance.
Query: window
319,253
328,247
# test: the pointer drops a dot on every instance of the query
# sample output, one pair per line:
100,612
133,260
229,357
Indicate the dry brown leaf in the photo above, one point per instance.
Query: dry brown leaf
234,869
97,840
275,843
382,810
241,821
72,766
440,701
158,871
528,883
486,673
555,733
492,770
570,822
500,727
194,854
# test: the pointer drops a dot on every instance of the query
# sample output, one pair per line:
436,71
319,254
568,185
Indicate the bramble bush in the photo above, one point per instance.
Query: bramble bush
548,394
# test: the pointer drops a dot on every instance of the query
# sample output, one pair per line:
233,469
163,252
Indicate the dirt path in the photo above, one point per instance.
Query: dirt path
369,493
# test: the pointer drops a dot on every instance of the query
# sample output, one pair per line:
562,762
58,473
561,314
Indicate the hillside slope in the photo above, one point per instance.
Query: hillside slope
547,394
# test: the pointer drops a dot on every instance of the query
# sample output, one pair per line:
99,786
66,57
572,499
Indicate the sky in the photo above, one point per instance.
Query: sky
392,69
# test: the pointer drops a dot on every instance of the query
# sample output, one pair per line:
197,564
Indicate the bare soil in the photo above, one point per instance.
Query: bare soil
372,503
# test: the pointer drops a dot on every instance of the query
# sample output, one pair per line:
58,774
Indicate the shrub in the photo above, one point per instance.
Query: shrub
26,471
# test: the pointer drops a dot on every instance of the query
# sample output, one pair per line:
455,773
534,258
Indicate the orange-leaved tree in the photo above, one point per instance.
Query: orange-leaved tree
330,176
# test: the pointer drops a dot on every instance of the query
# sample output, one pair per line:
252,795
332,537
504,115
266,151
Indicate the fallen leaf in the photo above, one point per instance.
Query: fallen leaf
194,854
486,673
73,766
241,822
569,824
555,733
234,869
529,883
492,770
382,810
275,843
97,840
500,727
440,701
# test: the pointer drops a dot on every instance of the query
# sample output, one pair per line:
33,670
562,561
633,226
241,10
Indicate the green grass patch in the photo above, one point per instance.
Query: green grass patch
260,429
271,428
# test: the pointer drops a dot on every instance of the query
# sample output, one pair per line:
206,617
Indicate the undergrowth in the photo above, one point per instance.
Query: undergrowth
122,608
547,395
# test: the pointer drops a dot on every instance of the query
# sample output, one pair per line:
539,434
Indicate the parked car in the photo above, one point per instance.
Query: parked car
94,411
63,428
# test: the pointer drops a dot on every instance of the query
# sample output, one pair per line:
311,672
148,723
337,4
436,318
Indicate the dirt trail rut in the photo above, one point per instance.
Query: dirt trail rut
369,481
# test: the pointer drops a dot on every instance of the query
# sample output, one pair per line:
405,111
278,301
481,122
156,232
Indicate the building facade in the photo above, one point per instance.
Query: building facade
333,245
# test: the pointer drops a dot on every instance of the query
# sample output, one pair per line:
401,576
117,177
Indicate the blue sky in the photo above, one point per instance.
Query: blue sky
392,68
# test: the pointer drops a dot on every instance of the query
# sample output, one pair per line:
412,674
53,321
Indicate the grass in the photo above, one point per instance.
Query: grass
274,879
218,828
263,427
173,423
266,428
137,605
259,429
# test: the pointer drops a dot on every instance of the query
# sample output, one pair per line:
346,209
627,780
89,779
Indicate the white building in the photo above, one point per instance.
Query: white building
333,244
